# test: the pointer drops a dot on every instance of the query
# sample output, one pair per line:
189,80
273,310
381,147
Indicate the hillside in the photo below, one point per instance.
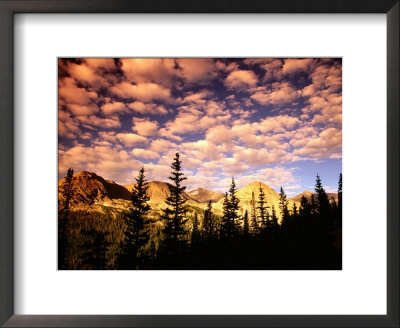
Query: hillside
204,196
89,188
245,194
91,191
307,194
158,192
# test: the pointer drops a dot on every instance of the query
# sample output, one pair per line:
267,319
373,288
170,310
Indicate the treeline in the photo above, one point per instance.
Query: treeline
308,237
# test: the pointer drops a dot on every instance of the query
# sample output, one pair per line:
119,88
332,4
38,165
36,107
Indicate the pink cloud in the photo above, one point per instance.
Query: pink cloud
157,172
113,107
197,97
69,93
155,70
260,157
240,79
292,65
327,77
327,144
109,136
280,93
93,120
144,108
131,139
144,153
220,134
68,129
106,161
86,75
201,150
144,127
198,69
82,109
274,177
145,92
96,63
162,145
272,67
279,123
232,166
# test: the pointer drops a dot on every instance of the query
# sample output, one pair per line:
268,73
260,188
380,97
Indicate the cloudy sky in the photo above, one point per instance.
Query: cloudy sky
273,120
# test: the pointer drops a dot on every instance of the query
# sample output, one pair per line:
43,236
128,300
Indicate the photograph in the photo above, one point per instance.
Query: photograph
199,163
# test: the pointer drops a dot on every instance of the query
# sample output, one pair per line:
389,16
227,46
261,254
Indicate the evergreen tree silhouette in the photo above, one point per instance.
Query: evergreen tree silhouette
207,220
262,209
305,207
137,232
68,192
226,224
283,206
323,201
63,219
295,213
174,216
195,231
230,217
246,224
253,214
274,219
94,249
313,205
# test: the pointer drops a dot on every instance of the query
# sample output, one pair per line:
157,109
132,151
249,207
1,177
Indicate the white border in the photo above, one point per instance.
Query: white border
360,288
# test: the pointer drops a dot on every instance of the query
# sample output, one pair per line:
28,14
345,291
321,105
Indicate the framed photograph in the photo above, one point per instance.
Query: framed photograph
215,142
174,164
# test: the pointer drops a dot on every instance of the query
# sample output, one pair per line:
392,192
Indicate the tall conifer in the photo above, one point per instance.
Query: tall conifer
283,206
207,221
137,233
174,216
262,209
246,223
253,214
230,217
323,201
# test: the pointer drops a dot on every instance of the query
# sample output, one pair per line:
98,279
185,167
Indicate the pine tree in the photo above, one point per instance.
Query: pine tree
295,213
174,216
137,233
195,231
63,219
262,209
313,205
283,206
234,202
246,223
274,218
253,214
230,217
207,221
323,201
68,193
305,207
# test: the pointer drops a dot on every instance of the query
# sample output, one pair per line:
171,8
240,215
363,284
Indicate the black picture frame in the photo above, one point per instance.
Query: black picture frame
7,10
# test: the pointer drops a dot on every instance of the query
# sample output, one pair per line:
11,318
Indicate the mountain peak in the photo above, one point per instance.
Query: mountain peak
245,197
203,195
89,188
255,187
85,173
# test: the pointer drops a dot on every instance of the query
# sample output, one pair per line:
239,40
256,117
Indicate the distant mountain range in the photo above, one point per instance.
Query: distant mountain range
204,195
245,196
92,192
307,194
